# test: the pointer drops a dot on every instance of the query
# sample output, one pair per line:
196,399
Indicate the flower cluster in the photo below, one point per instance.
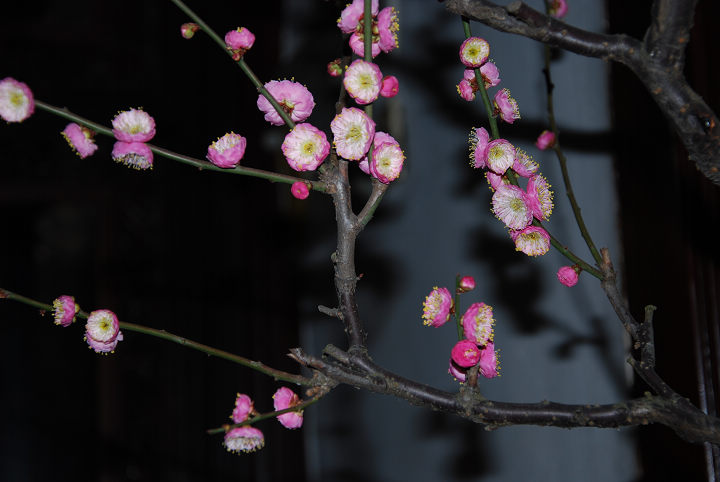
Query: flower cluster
476,348
249,439
132,129
16,100
384,27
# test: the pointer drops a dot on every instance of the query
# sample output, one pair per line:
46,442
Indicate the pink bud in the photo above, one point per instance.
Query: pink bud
568,275
465,353
467,283
300,190
239,41
334,68
545,139
187,30
389,86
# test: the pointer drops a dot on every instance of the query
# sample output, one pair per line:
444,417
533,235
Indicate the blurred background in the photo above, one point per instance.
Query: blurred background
239,264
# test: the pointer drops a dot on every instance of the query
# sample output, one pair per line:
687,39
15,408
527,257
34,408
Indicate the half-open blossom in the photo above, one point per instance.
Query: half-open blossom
102,331
227,151
489,366
467,283
353,133
16,100
334,68
363,81
134,125
479,139
474,52
133,154
386,162
187,30
524,165
300,190
558,8
457,372
506,106
364,166
387,26
352,14
465,353
466,90
80,139
64,310
357,45
545,140
495,180
305,147
499,155
478,323
490,74
511,207
244,406
436,307
532,240
286,398
390,86
540,197
244,439
568,275
239,41
294,98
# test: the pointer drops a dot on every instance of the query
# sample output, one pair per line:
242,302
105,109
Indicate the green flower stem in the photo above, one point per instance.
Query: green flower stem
263,416
483,91
200,164
367,31
563,163
245,68
378,191
255,365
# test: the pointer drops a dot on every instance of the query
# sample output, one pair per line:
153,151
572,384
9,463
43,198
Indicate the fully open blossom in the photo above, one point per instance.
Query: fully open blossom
540,197
390,86
64,310
545,139
133,154
478,323
467,283
134,125
187,30
363,81
532,240
244,406
386,161
357,45
436,307
489,365
466,90
80,139
305,147
102,331
387,26
286,398
244,439
506,106
474,52
334,68
16,100
293,97
479,139
465,353
558,8
511,207
352,14
227,151
457,372
239,41
353,132
300,190
568,275
524,165
499,155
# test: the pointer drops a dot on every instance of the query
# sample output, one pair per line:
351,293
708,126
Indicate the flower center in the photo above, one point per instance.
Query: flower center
17,99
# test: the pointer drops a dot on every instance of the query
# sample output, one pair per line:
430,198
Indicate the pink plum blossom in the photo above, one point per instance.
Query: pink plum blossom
227,151
386,162
334,68
568,275
532,240
474,52
467,283
363,81
187,30
457,372
351,15
558,8
524,165
353,133
300,190
490,74
294,98
466,90
16,100
102,331
239,41
134,125
506,106
286,398
499,155
489,366
80,139
305,147
545,140
478,323
357,45
540,197
479,139
496,180
244,406
511,207
364,166
390,86
387,26
437,307
133,154
465,353
64,310
244,439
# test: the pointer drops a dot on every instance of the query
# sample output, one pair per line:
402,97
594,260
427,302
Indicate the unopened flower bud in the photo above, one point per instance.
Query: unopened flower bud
465,353
568,275
545,139
187,30
300,190
389,87
334,68
467,283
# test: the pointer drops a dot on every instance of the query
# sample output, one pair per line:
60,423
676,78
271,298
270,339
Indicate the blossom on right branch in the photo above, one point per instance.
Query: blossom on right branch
437,307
